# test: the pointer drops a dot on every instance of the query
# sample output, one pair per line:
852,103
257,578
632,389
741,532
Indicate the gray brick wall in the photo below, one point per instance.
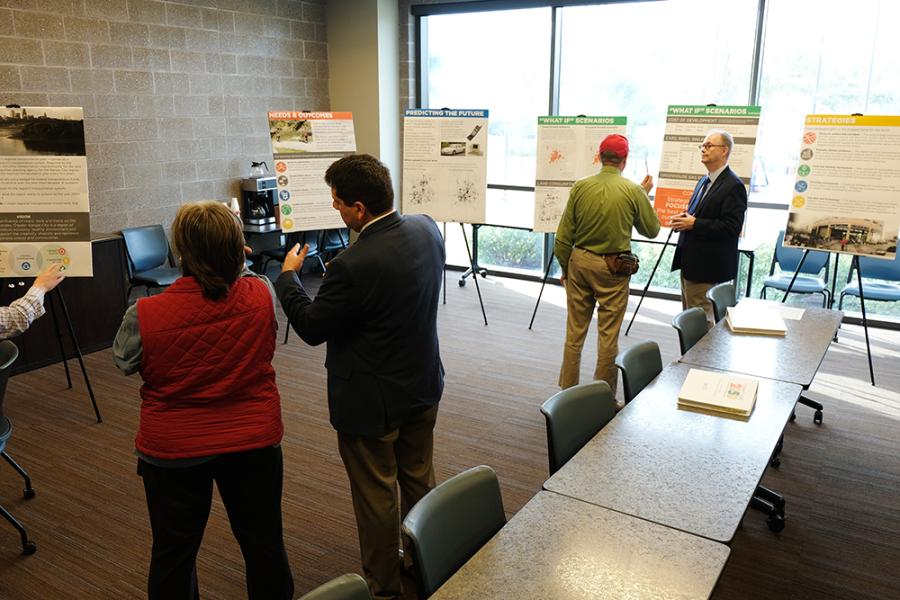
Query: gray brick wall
175,94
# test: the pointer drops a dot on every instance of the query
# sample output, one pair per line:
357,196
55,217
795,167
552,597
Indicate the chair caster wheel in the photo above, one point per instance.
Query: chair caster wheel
29,548
817,418
775,523
775,462
462,283
793,416
29,494
483,273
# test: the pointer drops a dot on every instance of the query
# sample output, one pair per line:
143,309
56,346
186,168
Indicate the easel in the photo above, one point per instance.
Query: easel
541,293
51,299
649,280
471,267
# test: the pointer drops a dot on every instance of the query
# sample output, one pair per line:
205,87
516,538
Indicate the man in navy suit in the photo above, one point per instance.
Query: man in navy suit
707,251
377,311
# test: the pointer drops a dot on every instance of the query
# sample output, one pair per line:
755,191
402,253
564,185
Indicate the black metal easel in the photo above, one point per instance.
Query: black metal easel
474,270
543,283
649,280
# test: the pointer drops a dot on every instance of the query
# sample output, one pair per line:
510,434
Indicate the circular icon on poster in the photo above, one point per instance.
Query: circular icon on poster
284,195
806,154
809,137
801,186
26,266
66,260
62,250
63,268
280,166
798,202
287,224
286,209
24,258
803,170
282,180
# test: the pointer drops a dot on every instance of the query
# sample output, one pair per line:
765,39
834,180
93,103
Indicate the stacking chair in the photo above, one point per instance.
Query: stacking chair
721,296
295,237
332,241
808,280
150,261
874,268
639,365
8,355
451,523
345,587
573,417
691,325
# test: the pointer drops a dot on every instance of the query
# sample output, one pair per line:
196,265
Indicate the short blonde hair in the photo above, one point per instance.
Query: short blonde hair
210,242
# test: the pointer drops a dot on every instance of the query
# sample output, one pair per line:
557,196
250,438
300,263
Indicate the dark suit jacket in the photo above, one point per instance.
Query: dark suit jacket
377,310
708,253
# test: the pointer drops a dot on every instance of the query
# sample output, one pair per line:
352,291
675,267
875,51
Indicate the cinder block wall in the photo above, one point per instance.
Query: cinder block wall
175,94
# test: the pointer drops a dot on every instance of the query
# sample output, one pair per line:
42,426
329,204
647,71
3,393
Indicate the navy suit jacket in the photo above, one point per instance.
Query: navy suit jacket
708,253
377,311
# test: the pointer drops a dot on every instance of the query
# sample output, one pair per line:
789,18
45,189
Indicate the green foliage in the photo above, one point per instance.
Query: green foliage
513,248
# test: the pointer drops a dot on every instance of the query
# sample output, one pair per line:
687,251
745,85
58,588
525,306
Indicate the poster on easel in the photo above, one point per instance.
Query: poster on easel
845,197
45,214
680,167
445,164
568,149
304,145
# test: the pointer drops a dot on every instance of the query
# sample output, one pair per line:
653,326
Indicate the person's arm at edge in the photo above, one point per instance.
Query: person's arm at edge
646,221
128,350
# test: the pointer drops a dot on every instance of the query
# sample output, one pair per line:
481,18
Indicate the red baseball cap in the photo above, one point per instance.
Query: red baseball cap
615,143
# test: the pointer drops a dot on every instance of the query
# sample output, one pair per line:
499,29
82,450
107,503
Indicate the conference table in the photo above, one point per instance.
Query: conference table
561,548
686,470
794,357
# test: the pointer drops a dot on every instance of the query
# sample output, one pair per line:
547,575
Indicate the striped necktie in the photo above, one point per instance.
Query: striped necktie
695,202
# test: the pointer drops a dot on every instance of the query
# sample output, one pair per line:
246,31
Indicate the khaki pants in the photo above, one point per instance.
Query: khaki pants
375,466
693,293
589,282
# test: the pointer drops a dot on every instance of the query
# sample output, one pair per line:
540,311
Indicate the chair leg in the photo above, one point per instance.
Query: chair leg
28,492
771,503
321,263
28,547
817,406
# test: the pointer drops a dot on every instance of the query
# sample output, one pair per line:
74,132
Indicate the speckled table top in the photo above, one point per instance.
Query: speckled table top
691,471
560,548
795,357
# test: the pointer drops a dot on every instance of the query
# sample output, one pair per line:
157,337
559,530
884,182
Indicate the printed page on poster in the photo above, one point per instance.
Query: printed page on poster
567,150
845,198
680,167
445,164
44,206
304,144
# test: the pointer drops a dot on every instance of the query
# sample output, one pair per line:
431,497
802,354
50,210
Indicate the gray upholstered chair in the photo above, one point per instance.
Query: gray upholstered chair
721,296
345,587
691,325
573,417
150,261
449,525
639,365
8,355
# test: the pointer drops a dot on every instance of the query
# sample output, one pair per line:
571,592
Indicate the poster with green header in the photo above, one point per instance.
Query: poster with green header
567,150
680,167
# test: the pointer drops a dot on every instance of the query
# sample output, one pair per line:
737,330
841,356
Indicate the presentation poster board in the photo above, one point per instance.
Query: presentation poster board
45,214
680,167
846,197
445,164
304,144
568,149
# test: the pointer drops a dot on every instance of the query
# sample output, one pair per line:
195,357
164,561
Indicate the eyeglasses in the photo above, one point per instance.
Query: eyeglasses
707,146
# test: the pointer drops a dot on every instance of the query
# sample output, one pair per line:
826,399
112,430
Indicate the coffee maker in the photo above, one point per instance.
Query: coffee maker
259,200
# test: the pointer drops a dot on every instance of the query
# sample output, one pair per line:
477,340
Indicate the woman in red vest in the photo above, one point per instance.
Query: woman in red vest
210,409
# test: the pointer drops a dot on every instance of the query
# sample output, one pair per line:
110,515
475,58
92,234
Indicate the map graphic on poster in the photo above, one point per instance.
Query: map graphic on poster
44,208
680,167
567,150
304,144
845,198
445,164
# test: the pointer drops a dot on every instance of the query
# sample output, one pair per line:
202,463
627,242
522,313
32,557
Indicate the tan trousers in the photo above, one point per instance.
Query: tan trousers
375,467
589,282
693,293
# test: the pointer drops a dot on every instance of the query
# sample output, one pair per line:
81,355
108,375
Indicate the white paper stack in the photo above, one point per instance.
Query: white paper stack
758,320
718,393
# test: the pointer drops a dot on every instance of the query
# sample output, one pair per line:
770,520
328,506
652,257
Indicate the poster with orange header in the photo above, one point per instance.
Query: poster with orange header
304,144
567,150
680,167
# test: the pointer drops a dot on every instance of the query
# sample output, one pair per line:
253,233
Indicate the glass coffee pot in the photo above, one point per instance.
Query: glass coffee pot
259,169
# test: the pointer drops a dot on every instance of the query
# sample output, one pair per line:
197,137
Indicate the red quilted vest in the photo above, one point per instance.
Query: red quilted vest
209,386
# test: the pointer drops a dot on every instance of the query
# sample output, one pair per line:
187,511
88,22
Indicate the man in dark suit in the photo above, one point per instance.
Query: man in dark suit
377,310
707,251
